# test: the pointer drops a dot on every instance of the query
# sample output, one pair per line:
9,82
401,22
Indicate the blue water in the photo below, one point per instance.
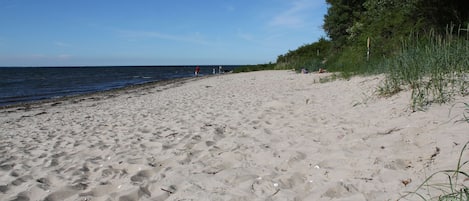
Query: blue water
21,85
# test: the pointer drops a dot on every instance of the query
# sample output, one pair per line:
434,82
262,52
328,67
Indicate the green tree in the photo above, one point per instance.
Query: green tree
340,17
349,24
310,56
386,23
437,14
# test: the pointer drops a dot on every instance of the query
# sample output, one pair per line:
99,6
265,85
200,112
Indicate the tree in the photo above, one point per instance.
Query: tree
349,23
308,56
340,17
437,14
387,22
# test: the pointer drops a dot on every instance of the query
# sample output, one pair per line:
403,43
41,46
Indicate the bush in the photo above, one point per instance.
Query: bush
258,67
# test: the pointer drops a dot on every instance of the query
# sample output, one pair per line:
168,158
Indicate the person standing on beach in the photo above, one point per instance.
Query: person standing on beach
197,70
220,70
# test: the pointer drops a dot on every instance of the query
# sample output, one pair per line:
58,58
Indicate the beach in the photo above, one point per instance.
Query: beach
268,135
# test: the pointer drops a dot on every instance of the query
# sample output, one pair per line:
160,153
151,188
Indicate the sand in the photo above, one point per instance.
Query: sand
270,135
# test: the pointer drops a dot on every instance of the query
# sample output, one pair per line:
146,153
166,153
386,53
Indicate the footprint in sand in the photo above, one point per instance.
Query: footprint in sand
163,193
264,187
209,143
292,181
21,180
191,154
141,176
340,190
292,160
61,194
194,140
100,190
219,133
145,175
4,188
23,196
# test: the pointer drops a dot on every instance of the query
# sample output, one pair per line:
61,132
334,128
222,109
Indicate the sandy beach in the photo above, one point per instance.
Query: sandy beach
269,135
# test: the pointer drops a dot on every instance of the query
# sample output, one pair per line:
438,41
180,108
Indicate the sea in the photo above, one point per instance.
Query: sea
29,84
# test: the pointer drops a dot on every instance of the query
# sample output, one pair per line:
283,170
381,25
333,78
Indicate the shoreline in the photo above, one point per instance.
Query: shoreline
265,135
101,94
140,75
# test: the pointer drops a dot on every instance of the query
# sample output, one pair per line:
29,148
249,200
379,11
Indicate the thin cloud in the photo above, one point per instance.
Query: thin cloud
245,36
265,41
196,37
62,44
295,16
229,8
49,57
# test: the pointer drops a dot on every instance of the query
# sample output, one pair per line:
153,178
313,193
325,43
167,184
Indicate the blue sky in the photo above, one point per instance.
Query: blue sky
155,32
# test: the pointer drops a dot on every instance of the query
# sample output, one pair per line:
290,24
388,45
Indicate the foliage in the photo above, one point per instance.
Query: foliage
387,22
434,68
414,42
436,14
314,50
340,17
258,67
309,56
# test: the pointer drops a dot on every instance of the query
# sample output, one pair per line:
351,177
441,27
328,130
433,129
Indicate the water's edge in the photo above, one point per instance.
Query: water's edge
98,95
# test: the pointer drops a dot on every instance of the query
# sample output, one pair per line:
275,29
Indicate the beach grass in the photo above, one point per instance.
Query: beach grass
434,68
452,190
466,115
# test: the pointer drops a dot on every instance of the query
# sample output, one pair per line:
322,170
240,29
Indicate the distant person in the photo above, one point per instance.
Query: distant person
197,70
220,70
214,71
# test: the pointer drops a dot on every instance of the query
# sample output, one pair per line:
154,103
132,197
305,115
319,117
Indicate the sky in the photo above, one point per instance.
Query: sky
155,32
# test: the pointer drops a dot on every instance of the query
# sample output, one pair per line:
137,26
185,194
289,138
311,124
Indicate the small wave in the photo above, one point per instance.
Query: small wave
142,77
29,84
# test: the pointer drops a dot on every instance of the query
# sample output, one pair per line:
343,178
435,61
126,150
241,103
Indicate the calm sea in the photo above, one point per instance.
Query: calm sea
20,85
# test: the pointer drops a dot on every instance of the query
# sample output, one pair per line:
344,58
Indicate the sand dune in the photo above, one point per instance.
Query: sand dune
270,135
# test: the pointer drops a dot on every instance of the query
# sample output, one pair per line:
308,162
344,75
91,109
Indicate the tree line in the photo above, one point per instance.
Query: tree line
356,27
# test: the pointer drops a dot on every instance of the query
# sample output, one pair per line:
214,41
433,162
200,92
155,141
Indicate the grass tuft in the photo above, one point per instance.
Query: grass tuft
330,78
434,68
453,190
466,114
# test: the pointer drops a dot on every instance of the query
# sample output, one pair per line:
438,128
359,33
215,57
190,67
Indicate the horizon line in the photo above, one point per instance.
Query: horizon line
91,66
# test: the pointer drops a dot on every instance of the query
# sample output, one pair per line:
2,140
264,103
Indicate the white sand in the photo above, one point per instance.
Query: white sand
270,135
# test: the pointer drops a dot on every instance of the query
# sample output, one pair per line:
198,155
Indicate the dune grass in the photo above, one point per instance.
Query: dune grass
434,68
452,190
466,115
